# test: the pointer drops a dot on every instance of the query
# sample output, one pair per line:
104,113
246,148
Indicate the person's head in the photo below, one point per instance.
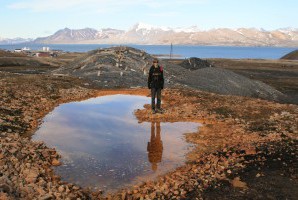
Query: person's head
155,62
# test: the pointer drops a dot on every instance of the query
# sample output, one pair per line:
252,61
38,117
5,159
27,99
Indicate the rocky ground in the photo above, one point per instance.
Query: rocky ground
25,171
238,146
242,140
247,148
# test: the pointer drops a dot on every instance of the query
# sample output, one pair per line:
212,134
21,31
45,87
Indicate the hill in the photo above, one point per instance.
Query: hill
291,56
128,67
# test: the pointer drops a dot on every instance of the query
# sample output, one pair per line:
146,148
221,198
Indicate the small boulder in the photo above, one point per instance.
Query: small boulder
56,162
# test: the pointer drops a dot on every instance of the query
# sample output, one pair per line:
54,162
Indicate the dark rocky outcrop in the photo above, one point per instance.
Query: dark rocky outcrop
195,63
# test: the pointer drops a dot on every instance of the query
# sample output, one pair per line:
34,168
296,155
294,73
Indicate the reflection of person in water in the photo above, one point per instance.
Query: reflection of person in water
155,146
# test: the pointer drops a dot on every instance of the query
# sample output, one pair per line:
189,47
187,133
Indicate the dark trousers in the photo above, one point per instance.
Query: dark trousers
155,92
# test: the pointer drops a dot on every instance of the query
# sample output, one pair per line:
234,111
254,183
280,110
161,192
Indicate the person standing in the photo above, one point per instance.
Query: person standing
156,84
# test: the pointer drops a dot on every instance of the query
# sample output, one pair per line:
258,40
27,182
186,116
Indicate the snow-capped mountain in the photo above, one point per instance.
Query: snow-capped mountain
69,35
191,29
142,33
107,33
147,28
15,40
288,30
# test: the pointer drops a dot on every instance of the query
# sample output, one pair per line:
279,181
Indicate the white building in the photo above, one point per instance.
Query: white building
18,50
46,49
26,49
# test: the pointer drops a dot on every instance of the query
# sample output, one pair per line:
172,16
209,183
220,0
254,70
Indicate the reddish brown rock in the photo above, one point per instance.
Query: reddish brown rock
56,162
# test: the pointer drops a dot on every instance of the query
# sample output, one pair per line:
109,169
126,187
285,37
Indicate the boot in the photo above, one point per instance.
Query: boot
159,110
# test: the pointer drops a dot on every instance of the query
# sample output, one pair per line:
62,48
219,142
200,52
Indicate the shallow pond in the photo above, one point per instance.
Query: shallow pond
104,147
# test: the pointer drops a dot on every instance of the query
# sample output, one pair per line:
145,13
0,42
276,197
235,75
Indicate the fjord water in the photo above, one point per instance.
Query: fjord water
103,145
185,51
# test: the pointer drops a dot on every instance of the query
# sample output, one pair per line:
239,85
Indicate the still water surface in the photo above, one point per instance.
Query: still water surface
104,147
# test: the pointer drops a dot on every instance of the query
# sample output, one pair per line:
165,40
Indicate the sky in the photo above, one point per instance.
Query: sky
37,18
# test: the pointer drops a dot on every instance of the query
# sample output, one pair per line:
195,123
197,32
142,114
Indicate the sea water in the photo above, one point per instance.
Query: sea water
184,51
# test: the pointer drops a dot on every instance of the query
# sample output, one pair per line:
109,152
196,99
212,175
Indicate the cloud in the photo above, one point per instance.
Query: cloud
102,6
57,5
46,5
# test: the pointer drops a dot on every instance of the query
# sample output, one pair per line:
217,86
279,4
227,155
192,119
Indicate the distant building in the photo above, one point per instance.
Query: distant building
46,49
26,49
18,50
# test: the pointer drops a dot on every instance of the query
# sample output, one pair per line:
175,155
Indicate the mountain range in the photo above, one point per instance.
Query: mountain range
17,40
142,33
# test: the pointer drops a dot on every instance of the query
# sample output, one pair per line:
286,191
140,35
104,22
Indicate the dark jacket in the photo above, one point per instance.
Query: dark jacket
155,78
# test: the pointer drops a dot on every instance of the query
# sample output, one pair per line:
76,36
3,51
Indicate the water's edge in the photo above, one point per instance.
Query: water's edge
113,171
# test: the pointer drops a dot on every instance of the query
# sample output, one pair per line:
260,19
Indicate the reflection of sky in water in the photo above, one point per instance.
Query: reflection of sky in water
103,145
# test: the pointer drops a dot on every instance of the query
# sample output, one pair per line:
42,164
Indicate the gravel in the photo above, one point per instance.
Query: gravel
226,82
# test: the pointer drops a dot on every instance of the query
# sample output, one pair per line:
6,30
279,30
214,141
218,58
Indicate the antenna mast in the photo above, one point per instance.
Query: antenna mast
171,51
